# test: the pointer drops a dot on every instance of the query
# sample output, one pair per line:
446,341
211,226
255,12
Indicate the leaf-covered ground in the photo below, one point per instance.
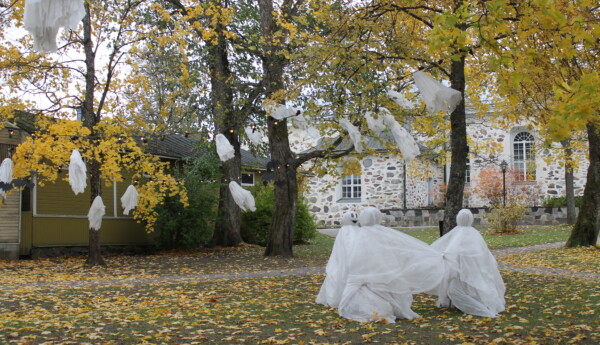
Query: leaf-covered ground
132,308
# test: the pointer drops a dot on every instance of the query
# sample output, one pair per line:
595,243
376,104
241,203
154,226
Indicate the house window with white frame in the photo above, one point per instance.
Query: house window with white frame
351,187
468,172
524,156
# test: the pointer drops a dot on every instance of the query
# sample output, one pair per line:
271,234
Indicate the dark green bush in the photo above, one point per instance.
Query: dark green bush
255,225
560,201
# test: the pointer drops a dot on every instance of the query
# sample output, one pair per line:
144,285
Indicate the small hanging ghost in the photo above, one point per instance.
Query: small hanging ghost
43,19
129,199
399,99
77,173
354,134
6,172
279,111
96,212
254,135
437,96
224,148
406,143
242,197
376,124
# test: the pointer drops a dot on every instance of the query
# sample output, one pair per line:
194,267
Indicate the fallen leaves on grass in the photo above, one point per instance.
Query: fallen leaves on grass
581,259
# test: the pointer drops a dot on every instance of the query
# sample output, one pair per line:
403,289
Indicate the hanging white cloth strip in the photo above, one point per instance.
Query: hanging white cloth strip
77,173
254,135
129,199
400,99
376,124
242,197
43,19
279,111
224,148
354,134
437,97
6,172
96,212
406,143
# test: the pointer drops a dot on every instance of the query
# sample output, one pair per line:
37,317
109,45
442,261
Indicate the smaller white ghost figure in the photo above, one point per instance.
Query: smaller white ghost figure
279,111
77,173
243,198
354,134
96,212
129,199
254,135
376,124
399,99
436,95
405,142
6,172
224,148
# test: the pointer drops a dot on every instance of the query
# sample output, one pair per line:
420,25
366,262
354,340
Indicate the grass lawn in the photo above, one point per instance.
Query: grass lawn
281,310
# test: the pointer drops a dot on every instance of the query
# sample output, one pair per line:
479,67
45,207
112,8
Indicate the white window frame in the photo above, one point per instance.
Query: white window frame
523,152
352,186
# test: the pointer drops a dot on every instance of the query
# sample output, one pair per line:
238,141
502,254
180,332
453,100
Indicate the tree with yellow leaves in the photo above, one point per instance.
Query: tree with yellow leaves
73,80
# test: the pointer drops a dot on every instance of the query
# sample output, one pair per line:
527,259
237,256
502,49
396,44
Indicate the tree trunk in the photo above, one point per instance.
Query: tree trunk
227,227
569,182
459,149
585,231
90,120
281,232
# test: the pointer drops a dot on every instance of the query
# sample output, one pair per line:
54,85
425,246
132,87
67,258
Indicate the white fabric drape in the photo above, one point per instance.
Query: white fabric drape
129,199
405,142
254,135
279,111
224,148
77,173
243,198
385,269
472,282
354,134
96,212
313,132
6,173
437,96
375,120
399,99
43,19
338,265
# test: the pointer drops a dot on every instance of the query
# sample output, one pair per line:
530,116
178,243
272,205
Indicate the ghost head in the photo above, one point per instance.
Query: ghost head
370,216
464,218
349,218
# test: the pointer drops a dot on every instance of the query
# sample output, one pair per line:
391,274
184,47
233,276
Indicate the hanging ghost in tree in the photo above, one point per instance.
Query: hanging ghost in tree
224,148
354,134
437,96
242,197
96,212
278,111
6,173
406,143
43,19
377,125
129,199
77,173
254,135
399,99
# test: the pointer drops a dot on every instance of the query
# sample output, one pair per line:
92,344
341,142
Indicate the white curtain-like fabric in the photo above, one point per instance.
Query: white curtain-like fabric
96,212
43,19
354,134
406,143
385,269
375,120
399,99
338,265
254,135
279,111
224,148
6,173
77,173
243,198
129,199
472,282
437,96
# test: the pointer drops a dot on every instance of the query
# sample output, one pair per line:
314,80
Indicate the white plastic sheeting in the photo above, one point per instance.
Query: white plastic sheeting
43,19
399,99
254,135
354,134
242,197
129,200
96,212
375,120
472,282
279,111
437,96
406,143
77,173
224,148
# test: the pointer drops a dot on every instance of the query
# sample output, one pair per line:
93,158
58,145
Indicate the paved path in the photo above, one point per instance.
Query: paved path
593,277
